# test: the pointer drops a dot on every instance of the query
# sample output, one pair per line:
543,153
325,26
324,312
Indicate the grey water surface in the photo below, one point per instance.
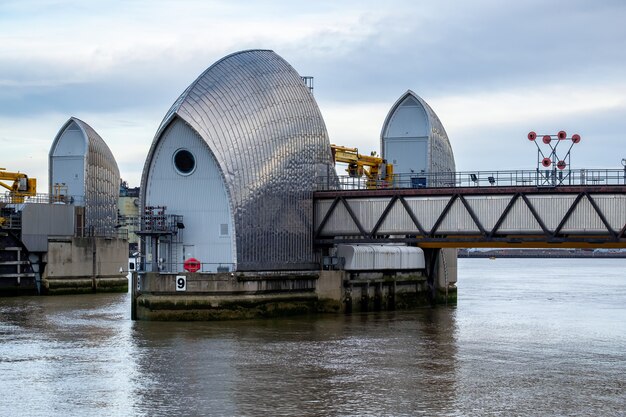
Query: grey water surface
529,337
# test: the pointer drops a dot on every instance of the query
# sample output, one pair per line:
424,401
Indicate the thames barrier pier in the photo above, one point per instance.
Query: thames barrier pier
66,241
241,212
227,200
244,215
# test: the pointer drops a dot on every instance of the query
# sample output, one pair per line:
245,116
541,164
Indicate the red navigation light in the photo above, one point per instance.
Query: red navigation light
561,165
546,139
562,135
576,138
532,136
546,162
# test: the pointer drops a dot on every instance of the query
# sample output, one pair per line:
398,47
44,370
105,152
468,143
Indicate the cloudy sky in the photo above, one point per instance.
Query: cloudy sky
492,72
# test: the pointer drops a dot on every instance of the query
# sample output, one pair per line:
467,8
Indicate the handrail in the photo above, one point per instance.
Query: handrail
174,267
521,178
41,198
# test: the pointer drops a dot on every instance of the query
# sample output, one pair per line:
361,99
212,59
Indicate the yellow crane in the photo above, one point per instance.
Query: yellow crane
20,187
378,172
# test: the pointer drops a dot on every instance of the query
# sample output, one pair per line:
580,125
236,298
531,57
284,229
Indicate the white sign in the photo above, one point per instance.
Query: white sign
181,283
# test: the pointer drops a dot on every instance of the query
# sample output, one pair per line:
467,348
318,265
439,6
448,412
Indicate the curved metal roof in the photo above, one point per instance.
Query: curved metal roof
442,157
268,136
102,178
98,152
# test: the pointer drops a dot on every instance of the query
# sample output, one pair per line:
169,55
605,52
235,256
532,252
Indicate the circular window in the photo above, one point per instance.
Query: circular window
184,161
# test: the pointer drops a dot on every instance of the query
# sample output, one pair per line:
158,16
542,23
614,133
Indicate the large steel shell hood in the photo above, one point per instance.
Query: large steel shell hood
441,157
100,174
265,130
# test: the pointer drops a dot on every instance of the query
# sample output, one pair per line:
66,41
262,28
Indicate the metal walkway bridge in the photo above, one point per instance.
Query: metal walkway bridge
529,209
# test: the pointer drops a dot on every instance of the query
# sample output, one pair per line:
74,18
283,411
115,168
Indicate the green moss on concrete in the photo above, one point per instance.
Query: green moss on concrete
327,305
84,286
68,291
192,315
188,308
411,300
57,284
411,292
112,283
269,310
450,298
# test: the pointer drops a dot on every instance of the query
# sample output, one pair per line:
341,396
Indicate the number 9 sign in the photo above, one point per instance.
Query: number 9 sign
181,283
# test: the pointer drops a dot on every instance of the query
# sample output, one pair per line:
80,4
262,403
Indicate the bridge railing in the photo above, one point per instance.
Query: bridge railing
41,198
520,178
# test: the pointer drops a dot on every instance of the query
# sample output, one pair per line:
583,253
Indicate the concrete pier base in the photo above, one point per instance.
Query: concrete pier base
76,265
68,265
83,285
223,307
441,272
223,296
226,296
373,291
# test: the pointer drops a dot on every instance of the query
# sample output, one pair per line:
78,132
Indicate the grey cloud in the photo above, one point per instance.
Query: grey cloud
523,44
114,92
435,49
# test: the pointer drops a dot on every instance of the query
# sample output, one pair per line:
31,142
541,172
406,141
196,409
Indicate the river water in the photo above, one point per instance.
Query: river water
536,337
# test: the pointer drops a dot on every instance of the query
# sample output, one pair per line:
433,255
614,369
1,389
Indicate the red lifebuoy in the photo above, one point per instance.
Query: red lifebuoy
192,265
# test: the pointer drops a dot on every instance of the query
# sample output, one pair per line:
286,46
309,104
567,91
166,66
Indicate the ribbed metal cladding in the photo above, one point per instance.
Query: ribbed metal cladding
102,180
267,134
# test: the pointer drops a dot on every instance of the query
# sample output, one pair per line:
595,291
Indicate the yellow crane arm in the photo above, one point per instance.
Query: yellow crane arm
10,188
21,186
373,167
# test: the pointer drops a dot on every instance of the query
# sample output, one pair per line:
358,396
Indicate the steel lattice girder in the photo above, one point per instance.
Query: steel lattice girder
521,217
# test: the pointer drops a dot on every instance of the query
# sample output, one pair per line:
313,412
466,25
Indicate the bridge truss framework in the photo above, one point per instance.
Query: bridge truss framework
463,217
